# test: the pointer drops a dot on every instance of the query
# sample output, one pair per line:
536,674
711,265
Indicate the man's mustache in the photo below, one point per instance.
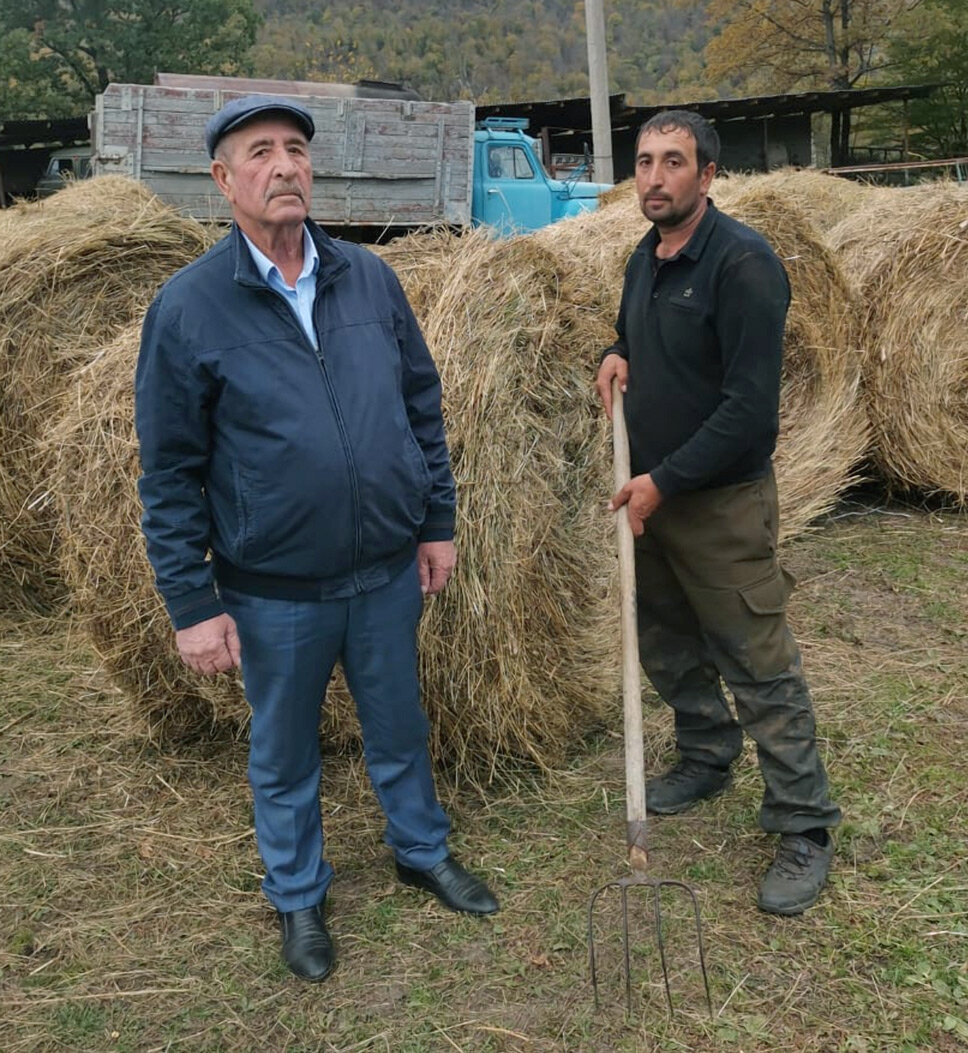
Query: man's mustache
286,188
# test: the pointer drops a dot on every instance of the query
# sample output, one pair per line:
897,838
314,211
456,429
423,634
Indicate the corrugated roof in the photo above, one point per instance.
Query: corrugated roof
575,114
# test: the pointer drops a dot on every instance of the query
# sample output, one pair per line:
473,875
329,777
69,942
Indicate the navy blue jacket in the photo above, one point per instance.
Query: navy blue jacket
305,474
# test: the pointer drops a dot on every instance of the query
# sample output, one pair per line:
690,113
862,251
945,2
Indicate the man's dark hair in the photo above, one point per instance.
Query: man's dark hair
707,140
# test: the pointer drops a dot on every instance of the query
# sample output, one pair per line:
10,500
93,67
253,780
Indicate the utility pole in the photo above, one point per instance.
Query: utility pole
598,88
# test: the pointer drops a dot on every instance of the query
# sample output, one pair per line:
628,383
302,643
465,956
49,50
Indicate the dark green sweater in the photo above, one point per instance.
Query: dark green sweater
703,336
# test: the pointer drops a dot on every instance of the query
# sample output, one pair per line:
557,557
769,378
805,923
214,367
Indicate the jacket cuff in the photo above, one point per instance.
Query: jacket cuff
438,526
190,608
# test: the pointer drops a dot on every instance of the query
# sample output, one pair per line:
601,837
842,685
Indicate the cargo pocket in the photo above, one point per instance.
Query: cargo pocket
770,648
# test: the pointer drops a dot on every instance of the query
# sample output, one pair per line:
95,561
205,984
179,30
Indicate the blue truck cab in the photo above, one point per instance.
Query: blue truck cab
512,191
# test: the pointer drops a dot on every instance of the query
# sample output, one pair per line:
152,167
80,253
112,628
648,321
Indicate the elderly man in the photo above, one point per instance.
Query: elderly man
298,503
699,350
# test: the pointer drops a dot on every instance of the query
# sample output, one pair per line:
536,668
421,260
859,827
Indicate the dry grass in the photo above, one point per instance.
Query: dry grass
132,918
824,200
910,264
74,269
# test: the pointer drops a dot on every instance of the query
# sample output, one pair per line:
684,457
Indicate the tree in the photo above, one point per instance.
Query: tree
789,45
27,89
932,47
79,46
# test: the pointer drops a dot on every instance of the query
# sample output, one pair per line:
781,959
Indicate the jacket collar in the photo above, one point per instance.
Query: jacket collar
332,260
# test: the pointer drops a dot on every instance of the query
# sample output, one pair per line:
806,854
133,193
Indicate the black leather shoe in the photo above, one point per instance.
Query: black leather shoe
452,885
683,785
306,944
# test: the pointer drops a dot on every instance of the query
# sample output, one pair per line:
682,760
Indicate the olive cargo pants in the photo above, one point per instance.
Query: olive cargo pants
711,600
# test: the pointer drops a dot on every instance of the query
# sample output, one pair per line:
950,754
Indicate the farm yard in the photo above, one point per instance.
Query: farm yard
132,916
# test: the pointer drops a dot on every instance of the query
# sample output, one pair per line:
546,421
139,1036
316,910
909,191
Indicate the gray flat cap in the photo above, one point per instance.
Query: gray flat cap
237,111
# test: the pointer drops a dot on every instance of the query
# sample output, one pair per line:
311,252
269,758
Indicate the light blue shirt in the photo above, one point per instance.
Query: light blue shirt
300,298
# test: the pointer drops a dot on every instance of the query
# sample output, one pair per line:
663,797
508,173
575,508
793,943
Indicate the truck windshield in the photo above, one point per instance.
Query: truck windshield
509,162
60,166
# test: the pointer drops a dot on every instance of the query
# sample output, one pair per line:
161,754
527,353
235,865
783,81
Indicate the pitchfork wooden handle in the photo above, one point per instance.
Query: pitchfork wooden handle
631,680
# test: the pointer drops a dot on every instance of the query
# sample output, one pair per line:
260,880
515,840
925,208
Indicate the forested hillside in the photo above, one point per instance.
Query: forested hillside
487,50
57,55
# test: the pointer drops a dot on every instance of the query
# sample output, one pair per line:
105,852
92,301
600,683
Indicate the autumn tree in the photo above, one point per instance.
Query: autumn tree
768,46
72,49
932,47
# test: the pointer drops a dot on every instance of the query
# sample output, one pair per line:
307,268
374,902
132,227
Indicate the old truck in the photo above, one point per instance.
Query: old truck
381,166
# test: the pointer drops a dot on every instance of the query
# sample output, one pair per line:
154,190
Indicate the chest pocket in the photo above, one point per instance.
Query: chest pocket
687,300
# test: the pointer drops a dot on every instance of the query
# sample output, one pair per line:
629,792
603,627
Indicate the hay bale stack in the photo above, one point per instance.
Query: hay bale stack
517,655
910,261
74,270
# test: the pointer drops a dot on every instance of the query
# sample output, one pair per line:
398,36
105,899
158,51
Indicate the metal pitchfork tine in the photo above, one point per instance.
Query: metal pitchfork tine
634,752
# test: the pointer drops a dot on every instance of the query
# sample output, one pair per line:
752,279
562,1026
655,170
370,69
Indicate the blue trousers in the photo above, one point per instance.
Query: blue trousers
289,649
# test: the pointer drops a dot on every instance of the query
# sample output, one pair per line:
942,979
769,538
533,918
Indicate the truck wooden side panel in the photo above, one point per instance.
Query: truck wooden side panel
387,162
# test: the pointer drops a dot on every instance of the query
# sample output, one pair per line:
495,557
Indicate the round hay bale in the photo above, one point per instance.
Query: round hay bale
823,430
866,239
910,260
517,653
94,455
824,200
74,270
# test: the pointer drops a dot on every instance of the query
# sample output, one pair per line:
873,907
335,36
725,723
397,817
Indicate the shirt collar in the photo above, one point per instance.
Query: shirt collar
269,271
694,246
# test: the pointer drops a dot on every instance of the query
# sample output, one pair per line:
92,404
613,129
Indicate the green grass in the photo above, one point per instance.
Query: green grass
129,882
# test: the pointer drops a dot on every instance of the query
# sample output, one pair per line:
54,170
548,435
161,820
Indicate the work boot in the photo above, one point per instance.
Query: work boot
684,785
796,875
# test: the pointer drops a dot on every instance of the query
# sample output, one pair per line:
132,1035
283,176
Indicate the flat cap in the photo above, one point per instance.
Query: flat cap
237,111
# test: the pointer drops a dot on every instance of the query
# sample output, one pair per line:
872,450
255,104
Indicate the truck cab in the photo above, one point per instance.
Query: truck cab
512,191
71,162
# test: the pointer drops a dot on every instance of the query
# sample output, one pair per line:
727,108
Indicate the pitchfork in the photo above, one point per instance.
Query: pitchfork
634,752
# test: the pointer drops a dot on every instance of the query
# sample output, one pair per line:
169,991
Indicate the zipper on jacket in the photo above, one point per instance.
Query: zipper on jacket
340,424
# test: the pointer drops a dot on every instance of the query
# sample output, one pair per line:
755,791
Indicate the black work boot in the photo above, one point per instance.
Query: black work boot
684,785
306,944
796,876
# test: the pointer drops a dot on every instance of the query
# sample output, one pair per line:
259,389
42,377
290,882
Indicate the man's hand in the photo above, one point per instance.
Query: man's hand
211,646
642,497
613,365
435,561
